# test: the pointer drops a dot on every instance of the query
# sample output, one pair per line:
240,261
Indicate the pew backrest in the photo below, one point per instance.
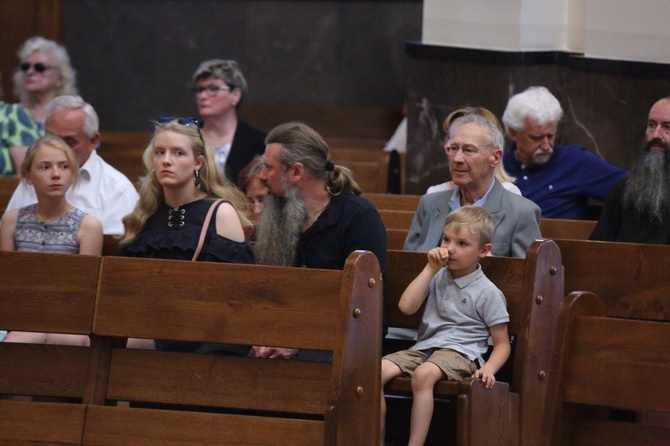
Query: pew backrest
556,228
608,362
123,150
393,202
631,279
257,400
46,293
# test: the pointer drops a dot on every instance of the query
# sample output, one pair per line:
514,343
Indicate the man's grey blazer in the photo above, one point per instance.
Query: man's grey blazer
516,220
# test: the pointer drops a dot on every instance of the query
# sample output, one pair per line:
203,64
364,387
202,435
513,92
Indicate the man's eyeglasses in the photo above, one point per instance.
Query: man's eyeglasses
39,67
467,149
211,90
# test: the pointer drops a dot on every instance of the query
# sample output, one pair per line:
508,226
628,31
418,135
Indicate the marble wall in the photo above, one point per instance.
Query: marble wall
606,103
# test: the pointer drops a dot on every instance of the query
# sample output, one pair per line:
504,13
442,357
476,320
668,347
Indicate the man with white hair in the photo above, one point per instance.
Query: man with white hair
559,179
637,210
474,150
101,190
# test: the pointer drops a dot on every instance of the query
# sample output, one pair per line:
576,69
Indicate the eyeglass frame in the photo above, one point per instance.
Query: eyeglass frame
38,67
466,149
211,90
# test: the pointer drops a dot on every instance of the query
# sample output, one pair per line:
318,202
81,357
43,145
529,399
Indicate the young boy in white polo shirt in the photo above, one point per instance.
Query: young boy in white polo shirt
463,309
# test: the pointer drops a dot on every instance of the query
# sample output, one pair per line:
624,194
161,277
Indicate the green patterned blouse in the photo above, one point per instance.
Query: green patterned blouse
17,128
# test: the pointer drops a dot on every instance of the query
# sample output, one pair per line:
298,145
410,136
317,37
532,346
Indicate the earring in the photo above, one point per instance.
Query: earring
196,177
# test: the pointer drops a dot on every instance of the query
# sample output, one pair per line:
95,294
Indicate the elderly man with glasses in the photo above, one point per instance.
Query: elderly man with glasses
474,150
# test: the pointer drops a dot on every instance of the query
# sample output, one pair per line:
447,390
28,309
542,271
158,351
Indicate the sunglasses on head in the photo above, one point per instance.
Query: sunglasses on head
187,120
39,67
182,121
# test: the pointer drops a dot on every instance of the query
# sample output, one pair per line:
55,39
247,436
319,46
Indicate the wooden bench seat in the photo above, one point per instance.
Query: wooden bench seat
191,398
608,362
47,293
533,288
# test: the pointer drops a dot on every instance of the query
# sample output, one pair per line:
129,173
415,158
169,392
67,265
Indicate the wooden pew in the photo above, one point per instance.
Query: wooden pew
608,362
123,150
512,412
373,144
52,293
372,169
393,202
215,399
7,187
632,279
549,227
395,238
396,219
556,228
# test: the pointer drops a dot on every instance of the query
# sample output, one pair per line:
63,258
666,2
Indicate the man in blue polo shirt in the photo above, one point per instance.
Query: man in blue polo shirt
559,179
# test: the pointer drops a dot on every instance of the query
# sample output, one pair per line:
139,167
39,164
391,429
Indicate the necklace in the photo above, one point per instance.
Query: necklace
311,218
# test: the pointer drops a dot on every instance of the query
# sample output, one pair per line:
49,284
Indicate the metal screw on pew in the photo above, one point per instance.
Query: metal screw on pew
553,270
372,283
539,299
542,375
357,312
360,391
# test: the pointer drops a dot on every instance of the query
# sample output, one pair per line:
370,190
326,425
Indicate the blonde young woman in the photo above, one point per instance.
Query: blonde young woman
52,224
182,184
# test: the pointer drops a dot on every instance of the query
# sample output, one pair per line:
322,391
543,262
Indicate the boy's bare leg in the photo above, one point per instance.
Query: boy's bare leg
389,371
423,382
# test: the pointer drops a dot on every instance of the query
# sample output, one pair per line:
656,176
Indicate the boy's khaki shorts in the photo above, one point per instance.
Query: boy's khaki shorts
453,364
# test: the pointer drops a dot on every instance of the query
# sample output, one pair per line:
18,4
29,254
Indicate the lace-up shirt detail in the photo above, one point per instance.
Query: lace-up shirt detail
176,217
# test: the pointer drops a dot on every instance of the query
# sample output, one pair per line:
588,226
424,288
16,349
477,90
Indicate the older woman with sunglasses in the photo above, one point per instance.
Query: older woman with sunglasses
44,72
182,185
219,88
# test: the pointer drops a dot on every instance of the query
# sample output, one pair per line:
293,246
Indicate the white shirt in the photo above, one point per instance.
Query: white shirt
399,139
101,191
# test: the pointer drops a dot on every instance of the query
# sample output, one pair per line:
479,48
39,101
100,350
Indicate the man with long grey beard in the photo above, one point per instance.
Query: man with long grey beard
313,216
637,210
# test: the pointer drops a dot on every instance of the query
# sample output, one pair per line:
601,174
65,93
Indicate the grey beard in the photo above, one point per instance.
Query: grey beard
279,227
647,190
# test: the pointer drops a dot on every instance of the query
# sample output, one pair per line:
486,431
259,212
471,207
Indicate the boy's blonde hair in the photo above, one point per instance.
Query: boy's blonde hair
476,219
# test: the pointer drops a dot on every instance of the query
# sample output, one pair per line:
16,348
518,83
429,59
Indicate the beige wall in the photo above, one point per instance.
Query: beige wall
608,29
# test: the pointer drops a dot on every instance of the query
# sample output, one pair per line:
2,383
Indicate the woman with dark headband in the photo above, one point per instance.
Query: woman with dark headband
43,72
219,88
182,185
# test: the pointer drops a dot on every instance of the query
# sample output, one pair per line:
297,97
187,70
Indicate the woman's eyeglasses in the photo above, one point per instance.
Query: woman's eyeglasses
39,67
211,90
